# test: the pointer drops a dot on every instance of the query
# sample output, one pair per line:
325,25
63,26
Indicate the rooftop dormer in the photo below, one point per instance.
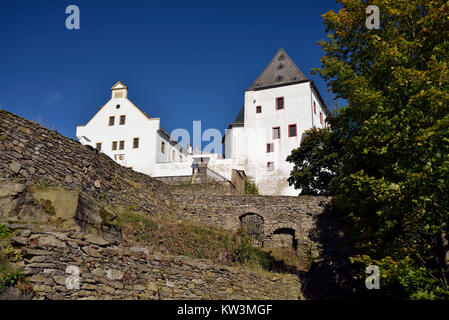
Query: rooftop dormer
119,90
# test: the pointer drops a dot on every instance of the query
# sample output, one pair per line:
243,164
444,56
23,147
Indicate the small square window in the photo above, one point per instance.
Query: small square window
279,103
114,145
111,121
276,133
292,132
270,166
121,157
259,109
122,120
136,143
121,145
98,146
270,147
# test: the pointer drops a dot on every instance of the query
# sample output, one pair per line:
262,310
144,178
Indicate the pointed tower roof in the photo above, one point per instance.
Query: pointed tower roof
280,71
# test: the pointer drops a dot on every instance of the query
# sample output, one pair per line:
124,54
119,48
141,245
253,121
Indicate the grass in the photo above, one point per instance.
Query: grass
221,246
177,238
8,275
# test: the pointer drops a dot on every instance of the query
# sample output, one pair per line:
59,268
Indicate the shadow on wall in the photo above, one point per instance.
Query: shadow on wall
285,238
330,278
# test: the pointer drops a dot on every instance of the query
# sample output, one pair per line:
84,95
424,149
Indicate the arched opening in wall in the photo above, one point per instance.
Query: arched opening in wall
284,238
252,224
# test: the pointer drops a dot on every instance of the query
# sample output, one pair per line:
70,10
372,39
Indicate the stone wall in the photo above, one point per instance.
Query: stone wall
282,216
111,271
38,155
175,181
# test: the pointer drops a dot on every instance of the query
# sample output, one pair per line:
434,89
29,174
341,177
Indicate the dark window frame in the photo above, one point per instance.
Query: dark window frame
136,145
279,131
296,130
277,103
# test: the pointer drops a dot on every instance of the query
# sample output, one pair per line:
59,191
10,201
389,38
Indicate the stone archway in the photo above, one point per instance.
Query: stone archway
253,224
284,238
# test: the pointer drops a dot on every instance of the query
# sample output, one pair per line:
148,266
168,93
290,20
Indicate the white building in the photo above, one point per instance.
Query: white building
132,138
279,106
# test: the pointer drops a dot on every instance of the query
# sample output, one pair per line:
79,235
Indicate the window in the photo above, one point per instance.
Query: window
111,121
121,157
279,103
259,109
121,145
314,107
117,106
292,130
276,132
173,155
122,120
114,145
321,117
136,143
98,146
163,147
270,166
270,147
118,95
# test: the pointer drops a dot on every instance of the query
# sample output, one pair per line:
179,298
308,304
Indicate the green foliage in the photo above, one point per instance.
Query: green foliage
245,253
391,184
315,162
251,188
4,231
11,278
8,275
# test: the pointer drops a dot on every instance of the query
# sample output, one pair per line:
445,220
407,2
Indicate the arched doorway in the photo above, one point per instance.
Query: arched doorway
252,224
284,238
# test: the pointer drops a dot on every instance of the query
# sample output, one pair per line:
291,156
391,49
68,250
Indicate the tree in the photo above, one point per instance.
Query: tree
392,186
315,162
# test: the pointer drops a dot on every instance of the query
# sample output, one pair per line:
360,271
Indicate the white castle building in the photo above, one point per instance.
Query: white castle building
279,106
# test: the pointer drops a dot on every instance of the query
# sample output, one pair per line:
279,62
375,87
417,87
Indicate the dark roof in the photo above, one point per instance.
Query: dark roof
240,119
280,71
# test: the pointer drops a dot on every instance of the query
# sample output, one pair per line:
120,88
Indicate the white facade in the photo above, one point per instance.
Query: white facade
261,121
247,144
117,125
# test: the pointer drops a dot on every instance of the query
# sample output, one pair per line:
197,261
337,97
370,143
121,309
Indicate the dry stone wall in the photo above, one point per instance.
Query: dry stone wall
283,217
52,261
38,155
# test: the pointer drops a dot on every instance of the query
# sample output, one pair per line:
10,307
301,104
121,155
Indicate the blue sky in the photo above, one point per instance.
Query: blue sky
182,60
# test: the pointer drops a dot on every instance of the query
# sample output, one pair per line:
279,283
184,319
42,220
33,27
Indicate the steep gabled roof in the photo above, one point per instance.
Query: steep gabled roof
280,71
